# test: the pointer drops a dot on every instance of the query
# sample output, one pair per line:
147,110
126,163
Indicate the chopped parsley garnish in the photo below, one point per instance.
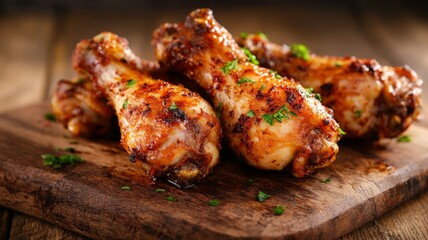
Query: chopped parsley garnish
125,104
80,81
338,64
173,106
250,114
219,108
341,132
243,35
278,210
262,35
327,180
250,181
262,87
277,76
124,187
229,66
311,92
261,196
300,51
160,190
131,82
268,118
171,199
404,138
250,56
245,80
214,202
281,114
50,117
358,113
74,142
59,161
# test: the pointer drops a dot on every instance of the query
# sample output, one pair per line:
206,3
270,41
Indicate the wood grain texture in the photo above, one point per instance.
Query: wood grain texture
5,219
328,29
27,227
406,222
24,48
86,198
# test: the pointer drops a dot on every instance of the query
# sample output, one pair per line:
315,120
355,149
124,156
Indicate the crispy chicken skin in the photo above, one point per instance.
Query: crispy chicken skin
82,110
369,100
269,122
171,131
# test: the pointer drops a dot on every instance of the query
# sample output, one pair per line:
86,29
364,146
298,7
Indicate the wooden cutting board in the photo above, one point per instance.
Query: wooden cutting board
365,181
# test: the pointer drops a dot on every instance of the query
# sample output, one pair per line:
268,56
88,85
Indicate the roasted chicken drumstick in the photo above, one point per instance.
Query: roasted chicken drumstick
173,132
270,122
83,111
369,100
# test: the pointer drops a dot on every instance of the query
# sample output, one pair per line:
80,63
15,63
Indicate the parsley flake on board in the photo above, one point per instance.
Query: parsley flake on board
250,56
261,196
250,114
59,161
173,106
171,199
229,66
131,82
300,51
278,210
245,80
50,117
214,202
404,138
160,190
341,132
124,187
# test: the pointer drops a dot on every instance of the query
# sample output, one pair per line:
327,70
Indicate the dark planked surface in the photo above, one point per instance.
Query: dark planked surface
87,198
36,46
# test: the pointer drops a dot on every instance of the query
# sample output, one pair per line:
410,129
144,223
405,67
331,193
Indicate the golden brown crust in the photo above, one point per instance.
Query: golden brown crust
81,110
288,124
368,100
169,129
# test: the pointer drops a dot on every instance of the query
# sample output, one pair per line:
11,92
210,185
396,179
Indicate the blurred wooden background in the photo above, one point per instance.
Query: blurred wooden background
37,38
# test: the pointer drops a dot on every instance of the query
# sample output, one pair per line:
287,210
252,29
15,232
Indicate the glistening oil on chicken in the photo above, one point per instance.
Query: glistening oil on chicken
168,129
270,122
369,100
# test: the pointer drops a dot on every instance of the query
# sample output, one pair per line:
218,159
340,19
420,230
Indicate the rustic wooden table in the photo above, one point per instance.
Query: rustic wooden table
36,44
